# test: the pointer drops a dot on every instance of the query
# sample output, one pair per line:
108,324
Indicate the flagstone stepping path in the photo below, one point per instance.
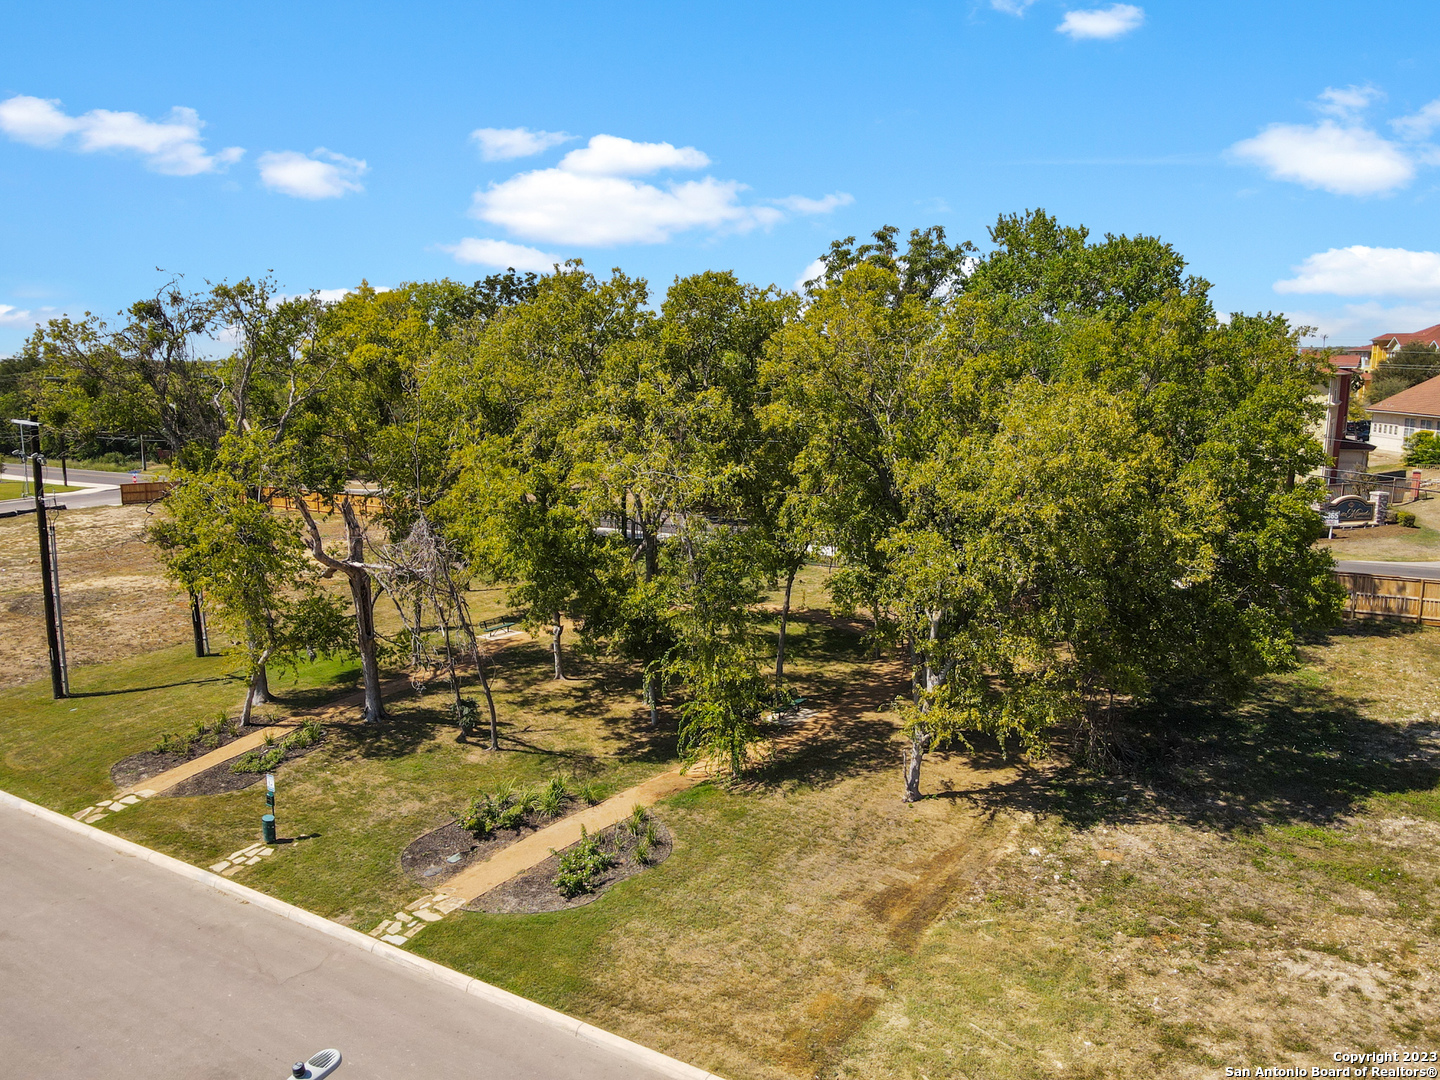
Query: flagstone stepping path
228,866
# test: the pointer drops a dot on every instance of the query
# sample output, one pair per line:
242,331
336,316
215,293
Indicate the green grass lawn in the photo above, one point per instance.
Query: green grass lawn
1258,889
14,489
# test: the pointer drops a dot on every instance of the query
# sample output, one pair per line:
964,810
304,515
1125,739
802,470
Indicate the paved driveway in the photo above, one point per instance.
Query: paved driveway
111,967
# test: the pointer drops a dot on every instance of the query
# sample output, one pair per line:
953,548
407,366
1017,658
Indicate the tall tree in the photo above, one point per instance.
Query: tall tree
249,564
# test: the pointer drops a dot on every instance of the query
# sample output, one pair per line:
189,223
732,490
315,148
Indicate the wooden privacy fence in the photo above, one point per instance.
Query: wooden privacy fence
1382,596
366,503
148,492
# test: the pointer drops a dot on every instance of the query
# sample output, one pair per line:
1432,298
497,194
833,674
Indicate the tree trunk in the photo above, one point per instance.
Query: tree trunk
652,698
784,623
555,631
489,702
914,755
257,691
450,663
363,598
415,656
361,595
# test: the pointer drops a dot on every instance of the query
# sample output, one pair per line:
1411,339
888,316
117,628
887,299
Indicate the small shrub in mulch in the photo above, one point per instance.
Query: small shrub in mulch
175,748
582,872
251,766
493,820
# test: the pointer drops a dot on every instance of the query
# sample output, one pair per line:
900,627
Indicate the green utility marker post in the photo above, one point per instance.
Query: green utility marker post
267,822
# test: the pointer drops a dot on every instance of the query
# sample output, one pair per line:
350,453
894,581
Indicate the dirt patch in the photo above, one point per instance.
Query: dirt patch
829,1022
219,779
534,891
114,597
909,908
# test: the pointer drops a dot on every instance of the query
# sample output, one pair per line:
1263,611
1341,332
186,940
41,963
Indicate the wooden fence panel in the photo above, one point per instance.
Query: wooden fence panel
1383,596
148,492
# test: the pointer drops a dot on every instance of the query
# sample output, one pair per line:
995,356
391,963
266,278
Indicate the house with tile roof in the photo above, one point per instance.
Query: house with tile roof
1399,416
1389,344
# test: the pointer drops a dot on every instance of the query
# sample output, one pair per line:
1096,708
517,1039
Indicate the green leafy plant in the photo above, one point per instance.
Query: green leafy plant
1406,518
1423,448
506,807
552,798
467,716
206,736
637,821
592,792
581,866
272,753
642,851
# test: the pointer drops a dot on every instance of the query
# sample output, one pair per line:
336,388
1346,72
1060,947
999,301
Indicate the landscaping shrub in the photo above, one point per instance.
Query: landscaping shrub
552,797
267,757
581,865
1406,518
508,807
1423,448
201,736
467,716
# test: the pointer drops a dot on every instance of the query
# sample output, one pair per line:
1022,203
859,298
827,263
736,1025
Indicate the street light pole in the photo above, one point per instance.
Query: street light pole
47,578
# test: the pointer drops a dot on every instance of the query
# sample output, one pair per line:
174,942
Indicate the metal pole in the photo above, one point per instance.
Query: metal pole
57,675
59,609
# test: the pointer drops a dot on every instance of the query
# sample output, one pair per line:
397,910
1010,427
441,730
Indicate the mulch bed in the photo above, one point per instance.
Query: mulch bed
219,779
534,891
150,763
442,853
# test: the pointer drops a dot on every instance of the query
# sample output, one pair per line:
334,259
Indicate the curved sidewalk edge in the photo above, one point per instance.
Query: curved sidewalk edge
633,1051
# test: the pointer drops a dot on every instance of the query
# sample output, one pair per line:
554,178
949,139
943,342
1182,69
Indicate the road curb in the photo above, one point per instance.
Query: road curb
633,1051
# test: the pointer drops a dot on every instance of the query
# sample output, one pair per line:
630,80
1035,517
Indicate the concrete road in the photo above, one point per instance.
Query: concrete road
74,500
113,967
1430,570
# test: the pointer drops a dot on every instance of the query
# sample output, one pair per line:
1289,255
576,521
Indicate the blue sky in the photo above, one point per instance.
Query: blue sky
1284,148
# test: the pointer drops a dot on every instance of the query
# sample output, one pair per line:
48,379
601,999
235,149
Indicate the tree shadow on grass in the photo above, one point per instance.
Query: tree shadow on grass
1290,753
846,738
159,686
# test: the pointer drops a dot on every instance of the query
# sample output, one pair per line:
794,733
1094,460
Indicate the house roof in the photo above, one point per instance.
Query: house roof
1430,335
1422,399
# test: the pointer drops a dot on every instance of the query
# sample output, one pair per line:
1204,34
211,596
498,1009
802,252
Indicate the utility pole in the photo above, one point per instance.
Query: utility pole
197,625
52,628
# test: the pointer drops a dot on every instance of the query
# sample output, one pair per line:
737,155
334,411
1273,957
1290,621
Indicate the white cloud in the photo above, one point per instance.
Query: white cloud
1419,125
1011,7
13,316
322,174
502,255
503,144
1346,102
814,270
1356,324
823,205
1367,271
1101,23
592,197
171,146
1344,160
610,155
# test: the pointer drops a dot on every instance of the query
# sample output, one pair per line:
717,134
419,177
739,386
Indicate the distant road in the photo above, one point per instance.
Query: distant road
113,967
71,499
1429,570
